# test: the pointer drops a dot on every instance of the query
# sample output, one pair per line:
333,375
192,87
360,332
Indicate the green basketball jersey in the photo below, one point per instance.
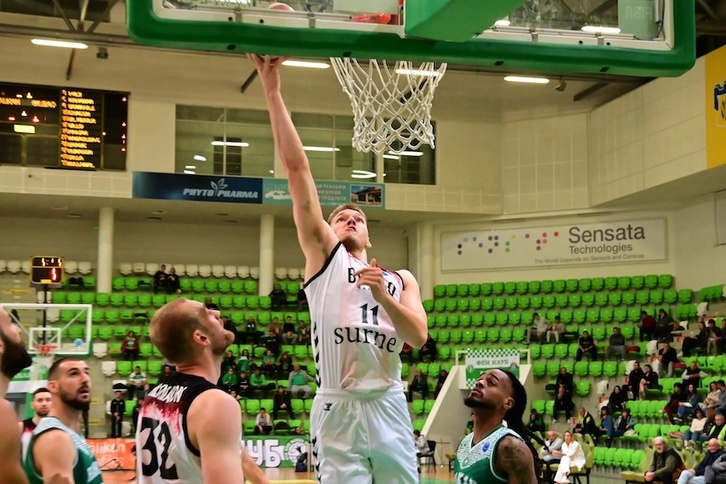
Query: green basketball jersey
85,467
475,464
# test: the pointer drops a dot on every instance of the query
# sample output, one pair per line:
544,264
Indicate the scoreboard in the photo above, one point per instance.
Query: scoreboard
63,127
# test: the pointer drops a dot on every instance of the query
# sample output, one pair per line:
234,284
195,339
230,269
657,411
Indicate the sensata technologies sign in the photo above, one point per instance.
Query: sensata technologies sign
610,242
198,188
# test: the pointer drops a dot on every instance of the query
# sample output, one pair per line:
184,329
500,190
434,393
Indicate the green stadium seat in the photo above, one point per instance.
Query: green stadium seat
620,315
117,283
154,367
73,298
185,285
583,388
439,305
634,314
467,336
685,296
624,283
611,283
637,282
112,316
598,284
498,303
480,335
131,283
670,296
522,287
614,299
519,335
429,406
553,368
58,297
593,315
225,287
439,290
527,318
492,335
511,302
444,336
571,285
562,300
628,298
546,287
485,289
452,320
417,407
131,300
572,349
474,290
497,288
601,299
144,301
474,304
579,316
548,302
598,332
535,302
561,350
88,298
462,305
585,284
588,299
548,351
158,300
610,368
123,368
534,287
510,288
98,316
456,336
505,335
651,281
451,290
581,368
462,290
656,296
535,351
573,300
444,353
428,305
418,424
595,368
502,318
225,302
451,305
539,368
606,315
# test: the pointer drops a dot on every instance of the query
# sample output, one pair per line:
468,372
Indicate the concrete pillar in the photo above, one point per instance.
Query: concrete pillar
267,254
426,257
104,269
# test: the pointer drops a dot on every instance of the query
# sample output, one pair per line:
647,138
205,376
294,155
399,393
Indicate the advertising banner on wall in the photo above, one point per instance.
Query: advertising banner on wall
114,454
331,193
277,451
716,107
197,188
479,360
557,245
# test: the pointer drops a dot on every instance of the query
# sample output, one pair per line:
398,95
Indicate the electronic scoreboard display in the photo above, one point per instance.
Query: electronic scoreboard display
63,127
46,270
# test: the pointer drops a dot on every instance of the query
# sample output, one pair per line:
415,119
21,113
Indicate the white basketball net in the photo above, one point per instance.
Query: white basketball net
391,104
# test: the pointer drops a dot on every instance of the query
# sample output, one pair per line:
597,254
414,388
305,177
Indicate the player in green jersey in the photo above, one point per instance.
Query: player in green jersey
492,452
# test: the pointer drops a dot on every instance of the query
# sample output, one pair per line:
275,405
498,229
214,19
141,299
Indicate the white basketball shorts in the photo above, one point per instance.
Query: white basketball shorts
363,440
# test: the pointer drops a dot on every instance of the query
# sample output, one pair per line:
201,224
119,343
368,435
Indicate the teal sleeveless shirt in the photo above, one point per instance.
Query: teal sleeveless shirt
475,464
85,467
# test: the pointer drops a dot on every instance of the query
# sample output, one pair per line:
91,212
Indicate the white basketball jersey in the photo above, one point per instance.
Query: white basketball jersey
355,345
163,451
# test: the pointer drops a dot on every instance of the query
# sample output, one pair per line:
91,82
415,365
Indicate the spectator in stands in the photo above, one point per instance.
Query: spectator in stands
406,353
263,423
137,383
285,365
665,462
160,279
649,380
244,361
571,455
698,423
130,347
721,408
717,430
677,397
607,424
278,298
632,381
235,395
696,476
273,341
556,330
259,382
700,341
251,335
118,408
667,358
443,375
166,372
135,414
288,331
685,409
536,421
229,326
303,337
716,338
298,381
302,300
428,349
538,330
243,385
586,425
563,378
711,401
172,282
229,380
647,326
210,304
275,324
617,344
664,325
269,364
693,374
281,401
422,447
624,424
563,403
228,362
586,345
553,443
616,400
418,384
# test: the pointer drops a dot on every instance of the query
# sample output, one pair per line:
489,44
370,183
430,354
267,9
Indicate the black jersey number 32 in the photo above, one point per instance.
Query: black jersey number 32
155,453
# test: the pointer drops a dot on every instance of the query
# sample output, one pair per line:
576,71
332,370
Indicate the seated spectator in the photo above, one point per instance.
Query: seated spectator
716,472
166,372
700,341
665,462
717,430
269,364
617,344
275,325
172,282
586,346
244,388
210,304
711,401
258,382
721,340
299,430
538,330
273,342
298,381
130,347
563,378
624,424
536,422
229,380
649,381
281,401
422,446
677,397
632,381
135,414
251,335
302,300
607,424
244,362
229,326
552,444
698,423
428,349
263,423
714,345
443,375
288,331
303,337
721,408
617,398
563,403
571,455
667,358
137,384
691,476
647,326
278,298
418,384
228,362
406,353
160,279
233,394
685,409
284,365
586,424
556,330
693,374
664,326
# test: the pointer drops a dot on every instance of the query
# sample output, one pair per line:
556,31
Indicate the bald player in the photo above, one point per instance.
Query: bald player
13,358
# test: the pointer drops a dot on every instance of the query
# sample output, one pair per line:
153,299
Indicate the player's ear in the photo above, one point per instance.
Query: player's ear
508,403
200,338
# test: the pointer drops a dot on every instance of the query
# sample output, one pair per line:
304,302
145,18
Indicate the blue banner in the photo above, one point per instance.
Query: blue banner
331,193
174,186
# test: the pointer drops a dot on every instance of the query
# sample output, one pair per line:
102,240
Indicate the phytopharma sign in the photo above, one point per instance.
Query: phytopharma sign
556,245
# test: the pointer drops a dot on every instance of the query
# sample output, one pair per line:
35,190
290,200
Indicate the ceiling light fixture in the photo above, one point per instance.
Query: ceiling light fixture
191,167
24,128
597,29
230,143
502,23
308,64
527,80
59,43
190,172
391,157
200,158
362,174
322,149
405,153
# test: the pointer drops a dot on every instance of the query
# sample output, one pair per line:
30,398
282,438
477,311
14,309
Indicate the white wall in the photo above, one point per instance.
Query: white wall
23,238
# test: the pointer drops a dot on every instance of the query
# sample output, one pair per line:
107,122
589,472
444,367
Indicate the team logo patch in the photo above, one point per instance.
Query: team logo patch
327,406
485,448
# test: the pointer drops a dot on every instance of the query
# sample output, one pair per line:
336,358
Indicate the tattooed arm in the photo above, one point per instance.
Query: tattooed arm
514,460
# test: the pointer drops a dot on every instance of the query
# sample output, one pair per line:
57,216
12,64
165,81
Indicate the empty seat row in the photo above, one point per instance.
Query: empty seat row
209,270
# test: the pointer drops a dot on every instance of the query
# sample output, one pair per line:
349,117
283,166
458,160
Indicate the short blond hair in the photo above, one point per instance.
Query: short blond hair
171,331
345,206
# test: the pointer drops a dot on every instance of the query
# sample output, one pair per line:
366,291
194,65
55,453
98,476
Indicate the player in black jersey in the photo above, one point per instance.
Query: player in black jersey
41,406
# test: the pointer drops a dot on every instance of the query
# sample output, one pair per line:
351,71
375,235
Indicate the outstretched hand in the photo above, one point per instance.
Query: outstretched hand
268,68
372,276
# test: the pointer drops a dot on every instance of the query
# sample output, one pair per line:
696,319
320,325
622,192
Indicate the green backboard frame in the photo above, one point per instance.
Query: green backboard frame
297,38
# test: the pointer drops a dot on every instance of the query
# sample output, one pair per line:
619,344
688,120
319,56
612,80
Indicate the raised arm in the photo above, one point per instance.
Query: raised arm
54,456
11,469
217,435
317,239
515,460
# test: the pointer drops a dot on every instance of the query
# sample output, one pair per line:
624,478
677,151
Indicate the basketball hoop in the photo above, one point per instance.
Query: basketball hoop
44,350
391,103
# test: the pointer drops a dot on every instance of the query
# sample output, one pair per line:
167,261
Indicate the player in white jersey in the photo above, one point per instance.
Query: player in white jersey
189,430
13,358
361,314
